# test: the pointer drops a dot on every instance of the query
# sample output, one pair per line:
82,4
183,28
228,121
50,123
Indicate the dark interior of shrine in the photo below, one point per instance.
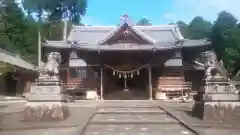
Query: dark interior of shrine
136,88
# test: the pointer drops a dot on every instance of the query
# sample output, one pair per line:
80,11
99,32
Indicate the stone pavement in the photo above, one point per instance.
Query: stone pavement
183,111
113,117
11,122
133,118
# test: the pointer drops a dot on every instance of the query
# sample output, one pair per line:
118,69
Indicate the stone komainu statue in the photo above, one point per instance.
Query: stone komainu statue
50,70
211,63
52,65
210,60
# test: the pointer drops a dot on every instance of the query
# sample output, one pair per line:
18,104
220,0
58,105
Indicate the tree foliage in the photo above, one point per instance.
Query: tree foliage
57,9
232,49
199,28
224,34
224,22
183,29
144,21
19,33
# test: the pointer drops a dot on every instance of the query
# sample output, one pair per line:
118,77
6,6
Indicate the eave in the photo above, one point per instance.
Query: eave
11,59
120,48
57,44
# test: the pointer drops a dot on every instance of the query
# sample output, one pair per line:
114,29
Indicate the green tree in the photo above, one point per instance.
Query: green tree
17,35
224,22
12,26
183,29
144,21
57,9
232,49
54,30
199,28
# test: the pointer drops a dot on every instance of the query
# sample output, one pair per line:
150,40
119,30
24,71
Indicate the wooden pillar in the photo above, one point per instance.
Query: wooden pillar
101,83
150,82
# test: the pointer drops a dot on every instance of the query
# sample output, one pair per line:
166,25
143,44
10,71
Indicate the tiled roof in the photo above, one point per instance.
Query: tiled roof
92,36
95,34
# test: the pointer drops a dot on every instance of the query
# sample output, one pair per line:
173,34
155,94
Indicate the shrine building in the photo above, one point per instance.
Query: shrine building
128,61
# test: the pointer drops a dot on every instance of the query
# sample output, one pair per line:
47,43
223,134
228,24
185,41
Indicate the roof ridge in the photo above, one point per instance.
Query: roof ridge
101,26
113,26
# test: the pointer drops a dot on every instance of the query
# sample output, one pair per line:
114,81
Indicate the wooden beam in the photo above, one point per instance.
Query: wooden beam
101,83
150,82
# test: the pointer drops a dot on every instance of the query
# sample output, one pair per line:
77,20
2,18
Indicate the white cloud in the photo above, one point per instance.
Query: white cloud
187,9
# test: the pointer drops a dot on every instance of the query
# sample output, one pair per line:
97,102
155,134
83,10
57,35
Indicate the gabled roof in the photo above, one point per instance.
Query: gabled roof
127,25
92,35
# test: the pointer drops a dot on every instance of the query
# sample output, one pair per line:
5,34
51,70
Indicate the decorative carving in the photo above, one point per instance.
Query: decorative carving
125,19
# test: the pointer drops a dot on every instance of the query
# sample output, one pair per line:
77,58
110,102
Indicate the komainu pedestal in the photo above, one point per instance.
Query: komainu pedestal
219,102
46,100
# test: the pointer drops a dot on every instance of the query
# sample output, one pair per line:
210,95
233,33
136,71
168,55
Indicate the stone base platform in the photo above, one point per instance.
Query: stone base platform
45,111
217,111
221,111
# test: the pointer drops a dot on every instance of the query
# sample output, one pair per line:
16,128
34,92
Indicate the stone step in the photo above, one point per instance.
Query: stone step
136,129
130,109
133,118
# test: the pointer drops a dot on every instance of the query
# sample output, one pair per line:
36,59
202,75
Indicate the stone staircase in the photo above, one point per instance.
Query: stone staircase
126,95
133,118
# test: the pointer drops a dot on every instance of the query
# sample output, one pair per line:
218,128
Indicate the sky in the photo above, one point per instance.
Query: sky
108,12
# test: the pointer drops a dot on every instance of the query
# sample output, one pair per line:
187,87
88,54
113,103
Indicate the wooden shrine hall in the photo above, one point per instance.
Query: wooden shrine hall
128,62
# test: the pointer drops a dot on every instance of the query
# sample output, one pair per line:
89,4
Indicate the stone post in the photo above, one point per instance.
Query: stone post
101,83
150,82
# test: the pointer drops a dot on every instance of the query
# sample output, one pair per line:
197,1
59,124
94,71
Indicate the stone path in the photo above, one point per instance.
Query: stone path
133,118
